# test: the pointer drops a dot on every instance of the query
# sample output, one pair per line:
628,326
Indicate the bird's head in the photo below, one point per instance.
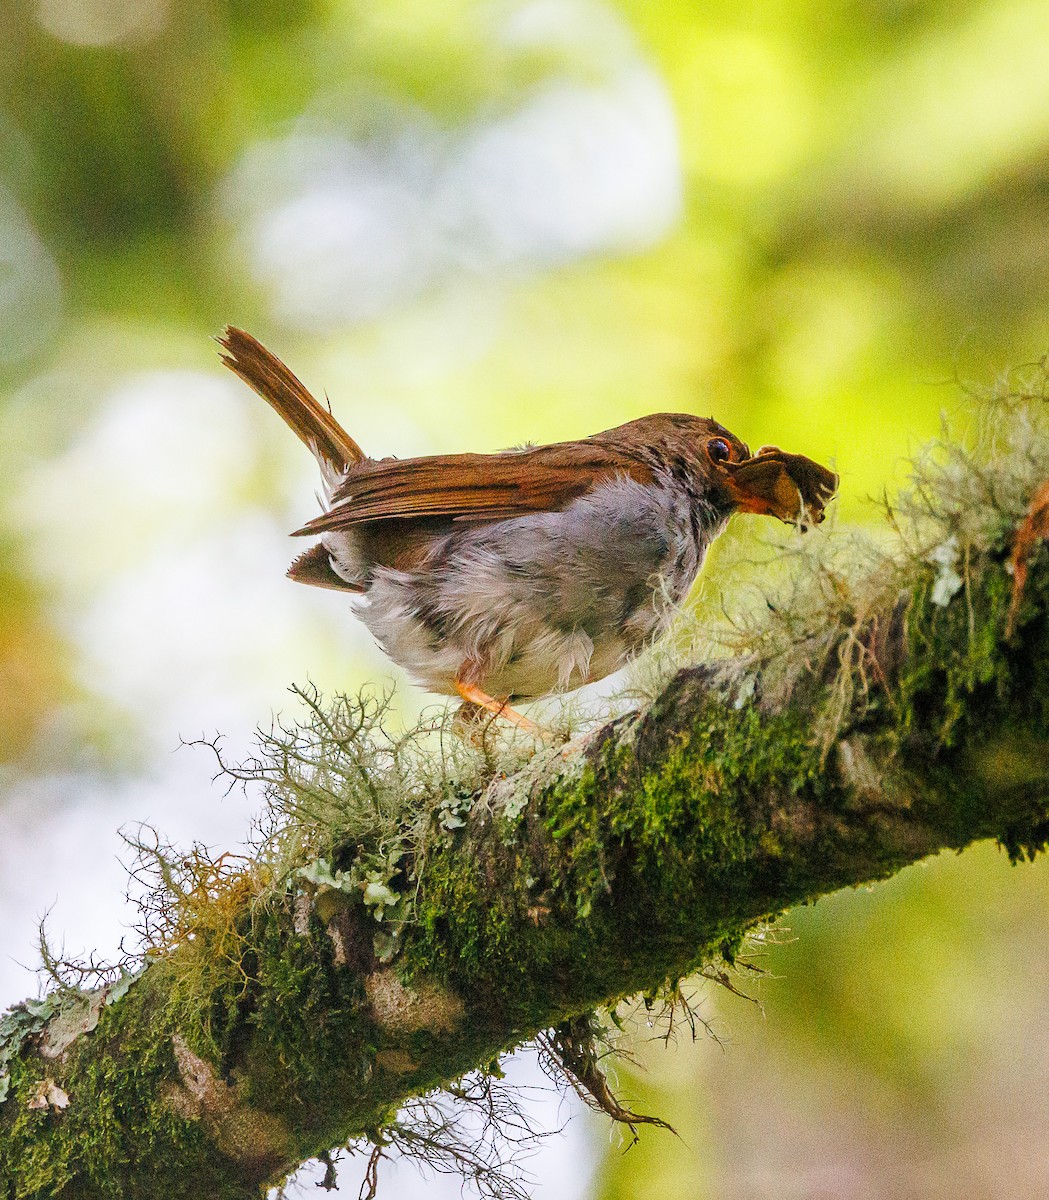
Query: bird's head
772,482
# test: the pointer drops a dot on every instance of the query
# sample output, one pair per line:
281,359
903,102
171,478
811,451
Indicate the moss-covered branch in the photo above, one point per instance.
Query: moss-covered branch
291,1005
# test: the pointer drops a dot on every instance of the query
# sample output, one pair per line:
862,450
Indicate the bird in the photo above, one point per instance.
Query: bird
506,577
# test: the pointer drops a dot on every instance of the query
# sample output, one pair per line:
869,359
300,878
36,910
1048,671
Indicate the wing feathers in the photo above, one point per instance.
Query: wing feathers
474,487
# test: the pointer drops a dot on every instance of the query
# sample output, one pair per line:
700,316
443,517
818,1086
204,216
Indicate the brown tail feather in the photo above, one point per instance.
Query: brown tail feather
314,567
267,375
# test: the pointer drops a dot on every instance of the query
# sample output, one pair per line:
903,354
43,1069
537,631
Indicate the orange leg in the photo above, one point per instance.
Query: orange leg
472,694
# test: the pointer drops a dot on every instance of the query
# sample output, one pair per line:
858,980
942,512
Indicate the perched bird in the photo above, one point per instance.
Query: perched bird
504,577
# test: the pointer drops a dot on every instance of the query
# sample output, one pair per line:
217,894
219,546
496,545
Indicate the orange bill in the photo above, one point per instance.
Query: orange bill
788,486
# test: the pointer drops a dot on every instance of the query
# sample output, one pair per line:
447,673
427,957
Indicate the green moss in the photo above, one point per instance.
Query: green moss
619,874
113,1077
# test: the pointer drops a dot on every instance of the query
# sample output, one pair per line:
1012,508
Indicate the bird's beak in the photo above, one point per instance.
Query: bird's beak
788,486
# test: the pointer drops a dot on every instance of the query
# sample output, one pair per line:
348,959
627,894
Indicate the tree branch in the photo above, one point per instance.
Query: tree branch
882,715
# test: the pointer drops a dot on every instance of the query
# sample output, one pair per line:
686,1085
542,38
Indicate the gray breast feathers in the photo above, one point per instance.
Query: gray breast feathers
542,601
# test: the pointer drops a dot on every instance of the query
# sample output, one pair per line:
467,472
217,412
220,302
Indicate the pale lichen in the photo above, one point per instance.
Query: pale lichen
399,1009
259,1140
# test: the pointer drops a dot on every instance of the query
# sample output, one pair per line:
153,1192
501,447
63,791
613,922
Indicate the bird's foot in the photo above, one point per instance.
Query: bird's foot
478,700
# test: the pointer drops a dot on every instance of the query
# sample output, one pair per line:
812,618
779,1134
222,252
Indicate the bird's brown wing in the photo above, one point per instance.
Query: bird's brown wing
474,487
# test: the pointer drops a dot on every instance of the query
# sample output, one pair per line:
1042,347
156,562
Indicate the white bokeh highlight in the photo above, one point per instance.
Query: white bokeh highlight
31,290
339,229
102,22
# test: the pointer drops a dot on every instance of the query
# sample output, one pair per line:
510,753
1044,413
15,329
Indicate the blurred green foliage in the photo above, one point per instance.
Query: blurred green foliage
865,219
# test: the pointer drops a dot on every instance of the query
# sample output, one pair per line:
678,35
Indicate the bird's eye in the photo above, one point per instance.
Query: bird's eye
718,450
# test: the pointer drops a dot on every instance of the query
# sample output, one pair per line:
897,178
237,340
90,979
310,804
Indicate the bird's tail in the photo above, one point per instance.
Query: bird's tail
336,452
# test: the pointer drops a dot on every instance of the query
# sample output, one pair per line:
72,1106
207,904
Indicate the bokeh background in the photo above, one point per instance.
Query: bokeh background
474,224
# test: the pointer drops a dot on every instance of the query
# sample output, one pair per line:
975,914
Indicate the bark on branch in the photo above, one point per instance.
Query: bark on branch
897,719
